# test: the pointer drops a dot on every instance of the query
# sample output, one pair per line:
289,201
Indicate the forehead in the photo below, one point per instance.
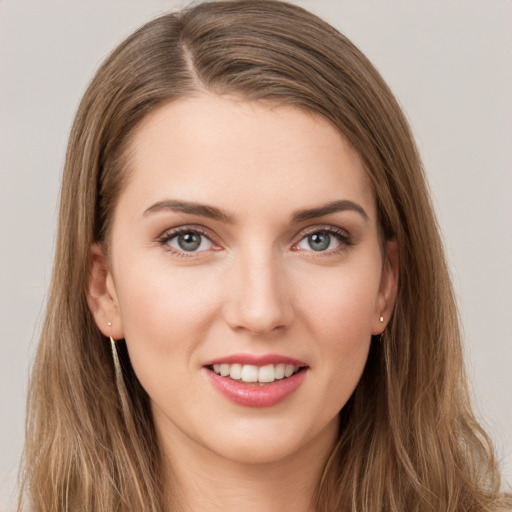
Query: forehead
244,156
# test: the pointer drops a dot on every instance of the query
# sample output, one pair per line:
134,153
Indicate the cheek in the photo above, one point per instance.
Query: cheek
340,310
341,303
164,312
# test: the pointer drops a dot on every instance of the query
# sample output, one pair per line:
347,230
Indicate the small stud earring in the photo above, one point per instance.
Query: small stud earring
381,319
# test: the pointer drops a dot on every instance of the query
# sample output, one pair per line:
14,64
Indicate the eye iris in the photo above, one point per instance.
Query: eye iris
189,241
319,241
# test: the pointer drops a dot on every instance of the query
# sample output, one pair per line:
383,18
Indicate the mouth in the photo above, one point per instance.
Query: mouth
252,374
251,381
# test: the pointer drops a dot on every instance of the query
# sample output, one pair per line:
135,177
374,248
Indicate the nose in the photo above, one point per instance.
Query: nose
258,294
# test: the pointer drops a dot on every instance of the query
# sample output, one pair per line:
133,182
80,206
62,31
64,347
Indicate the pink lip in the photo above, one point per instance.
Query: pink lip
256,360
255,394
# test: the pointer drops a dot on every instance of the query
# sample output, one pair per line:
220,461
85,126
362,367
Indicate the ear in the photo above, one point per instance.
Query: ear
388,287
102,296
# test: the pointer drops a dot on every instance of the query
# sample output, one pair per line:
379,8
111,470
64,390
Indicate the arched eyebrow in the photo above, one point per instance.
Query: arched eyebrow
191,208
212,212
333,207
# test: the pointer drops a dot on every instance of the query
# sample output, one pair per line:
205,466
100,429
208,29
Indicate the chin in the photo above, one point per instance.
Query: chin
268,443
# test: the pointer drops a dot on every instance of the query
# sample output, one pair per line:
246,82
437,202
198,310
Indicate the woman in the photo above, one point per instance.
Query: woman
250,305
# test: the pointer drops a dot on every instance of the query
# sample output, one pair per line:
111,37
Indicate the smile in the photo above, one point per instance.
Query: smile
253,381
251,373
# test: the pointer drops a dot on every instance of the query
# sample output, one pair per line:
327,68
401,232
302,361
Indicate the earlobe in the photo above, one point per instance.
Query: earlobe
102,296
388,287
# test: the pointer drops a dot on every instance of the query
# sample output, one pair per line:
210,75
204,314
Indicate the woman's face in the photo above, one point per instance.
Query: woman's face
245,248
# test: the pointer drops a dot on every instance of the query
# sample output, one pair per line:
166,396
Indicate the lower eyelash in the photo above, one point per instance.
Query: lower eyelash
340,234
169,235
344,239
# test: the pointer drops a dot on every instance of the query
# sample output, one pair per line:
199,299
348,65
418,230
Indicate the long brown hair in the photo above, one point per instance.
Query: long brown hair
408,438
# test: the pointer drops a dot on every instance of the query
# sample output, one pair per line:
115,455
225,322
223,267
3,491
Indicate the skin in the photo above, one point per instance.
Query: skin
254,286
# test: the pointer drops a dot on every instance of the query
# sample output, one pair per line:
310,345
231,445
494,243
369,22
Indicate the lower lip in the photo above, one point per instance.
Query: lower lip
255,394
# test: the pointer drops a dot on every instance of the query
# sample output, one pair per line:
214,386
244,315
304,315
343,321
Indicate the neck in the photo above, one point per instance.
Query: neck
202,481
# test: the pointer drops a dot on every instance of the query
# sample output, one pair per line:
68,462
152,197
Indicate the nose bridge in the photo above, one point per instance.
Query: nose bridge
259,296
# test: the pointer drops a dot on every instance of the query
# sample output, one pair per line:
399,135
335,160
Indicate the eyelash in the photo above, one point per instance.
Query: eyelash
168,235
341,235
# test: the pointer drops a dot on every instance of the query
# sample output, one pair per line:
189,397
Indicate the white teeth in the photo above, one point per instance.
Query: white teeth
249,373
279,371
252,373
266,373
235,372
288,370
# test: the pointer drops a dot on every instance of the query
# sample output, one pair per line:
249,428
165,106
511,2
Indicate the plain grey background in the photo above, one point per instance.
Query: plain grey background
450,65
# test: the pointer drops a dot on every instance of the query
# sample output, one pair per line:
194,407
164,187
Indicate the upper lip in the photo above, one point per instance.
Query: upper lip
256,360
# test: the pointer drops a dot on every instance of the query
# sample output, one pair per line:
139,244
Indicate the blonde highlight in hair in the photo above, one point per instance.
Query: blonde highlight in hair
408,437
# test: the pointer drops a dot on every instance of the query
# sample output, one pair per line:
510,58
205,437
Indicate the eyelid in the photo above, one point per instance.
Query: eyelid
329,228
342,234
170,233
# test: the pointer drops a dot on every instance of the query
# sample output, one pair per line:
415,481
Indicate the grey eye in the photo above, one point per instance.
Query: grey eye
319,241
190,241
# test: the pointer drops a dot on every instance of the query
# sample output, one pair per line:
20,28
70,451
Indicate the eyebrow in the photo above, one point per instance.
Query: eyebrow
333,207
202,210
214,213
